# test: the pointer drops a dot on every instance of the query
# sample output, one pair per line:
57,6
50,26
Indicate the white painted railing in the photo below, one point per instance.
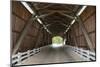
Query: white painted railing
86,54
19,57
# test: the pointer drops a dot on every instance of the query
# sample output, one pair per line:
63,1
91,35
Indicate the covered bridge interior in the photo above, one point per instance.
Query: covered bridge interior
35,24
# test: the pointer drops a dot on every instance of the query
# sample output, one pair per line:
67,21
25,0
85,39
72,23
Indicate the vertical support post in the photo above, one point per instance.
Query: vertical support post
28,53
67,38
19,57
47,39
85,33
70,41
24,32
38,37
88,54
75,40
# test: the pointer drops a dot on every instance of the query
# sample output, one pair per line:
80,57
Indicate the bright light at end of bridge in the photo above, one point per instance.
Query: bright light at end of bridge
57,41
57,45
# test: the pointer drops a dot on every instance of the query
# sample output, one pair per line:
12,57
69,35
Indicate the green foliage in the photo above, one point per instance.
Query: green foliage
57,40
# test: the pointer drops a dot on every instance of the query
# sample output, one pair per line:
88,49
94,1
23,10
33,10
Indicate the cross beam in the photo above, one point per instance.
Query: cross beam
24,32
85,33
22,35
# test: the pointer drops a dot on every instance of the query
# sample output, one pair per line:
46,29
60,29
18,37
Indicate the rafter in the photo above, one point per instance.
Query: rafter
49,5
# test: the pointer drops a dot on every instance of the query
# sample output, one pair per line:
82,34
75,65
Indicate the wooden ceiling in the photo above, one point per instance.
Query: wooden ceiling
56,22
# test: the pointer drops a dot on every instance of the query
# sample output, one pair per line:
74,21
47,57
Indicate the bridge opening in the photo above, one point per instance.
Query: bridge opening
57,41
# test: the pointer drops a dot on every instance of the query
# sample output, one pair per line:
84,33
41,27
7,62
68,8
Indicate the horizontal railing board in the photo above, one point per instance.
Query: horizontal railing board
86,54
22,56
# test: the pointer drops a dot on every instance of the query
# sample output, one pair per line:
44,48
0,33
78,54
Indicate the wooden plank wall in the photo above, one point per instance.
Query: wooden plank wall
35,37
19,19
89,19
